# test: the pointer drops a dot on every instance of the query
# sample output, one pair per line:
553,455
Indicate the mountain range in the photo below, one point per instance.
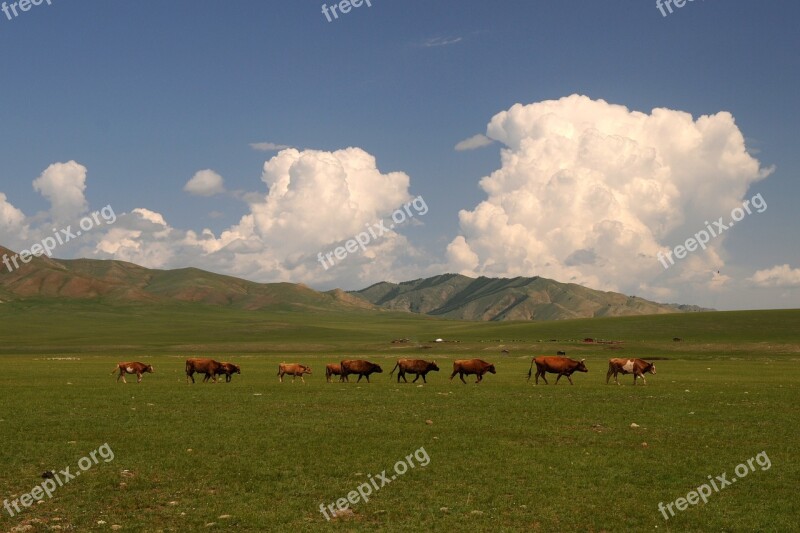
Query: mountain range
449,295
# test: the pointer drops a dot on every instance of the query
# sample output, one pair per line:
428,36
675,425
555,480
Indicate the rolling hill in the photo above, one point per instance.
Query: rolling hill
448,296
462,297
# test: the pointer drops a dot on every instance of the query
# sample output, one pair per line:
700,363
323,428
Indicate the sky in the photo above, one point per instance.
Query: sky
609,144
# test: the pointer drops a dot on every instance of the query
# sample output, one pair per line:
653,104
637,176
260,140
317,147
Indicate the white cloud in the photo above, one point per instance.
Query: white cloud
63,185
473,143
205,183
314,200
782,276
268,147
589,192
441,41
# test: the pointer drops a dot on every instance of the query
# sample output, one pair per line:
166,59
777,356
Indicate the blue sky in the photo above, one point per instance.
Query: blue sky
143,95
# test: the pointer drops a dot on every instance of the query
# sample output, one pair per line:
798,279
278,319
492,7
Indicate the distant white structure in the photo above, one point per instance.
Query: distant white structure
439,340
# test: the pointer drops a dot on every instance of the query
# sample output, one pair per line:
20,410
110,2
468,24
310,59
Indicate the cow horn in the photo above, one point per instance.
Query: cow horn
582,360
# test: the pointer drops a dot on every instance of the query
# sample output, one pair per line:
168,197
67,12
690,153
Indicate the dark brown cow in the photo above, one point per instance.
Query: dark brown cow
333,369
360,367
209,367
478,367
560,352
637,367
294,370
228,369
563,366
132,368
420,367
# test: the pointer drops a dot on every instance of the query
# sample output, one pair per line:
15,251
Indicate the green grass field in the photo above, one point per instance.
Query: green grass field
504,455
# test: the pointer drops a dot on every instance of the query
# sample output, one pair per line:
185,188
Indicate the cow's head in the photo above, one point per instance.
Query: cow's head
377,368
236,368
491,369
149,369
432,366
306,370
651,367
581,366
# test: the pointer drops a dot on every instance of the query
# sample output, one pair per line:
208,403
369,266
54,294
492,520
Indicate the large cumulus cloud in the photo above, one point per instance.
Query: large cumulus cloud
590,192
313,201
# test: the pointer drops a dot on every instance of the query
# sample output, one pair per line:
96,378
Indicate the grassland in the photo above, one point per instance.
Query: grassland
504,455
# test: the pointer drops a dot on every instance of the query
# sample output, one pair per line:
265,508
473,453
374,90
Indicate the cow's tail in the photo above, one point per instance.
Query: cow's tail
395,368
115,369
530,370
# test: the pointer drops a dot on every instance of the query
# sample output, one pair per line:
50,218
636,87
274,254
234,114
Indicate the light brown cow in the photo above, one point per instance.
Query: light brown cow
228,369
637,367
209,367
334,369
478,367
132,368
294,370
563,366
360,367
420,367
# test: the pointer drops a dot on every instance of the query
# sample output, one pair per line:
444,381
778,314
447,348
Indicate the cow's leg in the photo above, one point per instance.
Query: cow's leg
608,374
359,377
480,378
544,377
559,377
453,374
123,377
461,375
423,378
119,376
138,377
228,378
367,378
303,380
280,377
570,379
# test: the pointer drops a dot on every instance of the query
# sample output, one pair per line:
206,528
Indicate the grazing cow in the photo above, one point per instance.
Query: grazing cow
561,353
420,367
132,368
478,367
293,370
228,369
333,369
209,367
562,366
360,367
637,367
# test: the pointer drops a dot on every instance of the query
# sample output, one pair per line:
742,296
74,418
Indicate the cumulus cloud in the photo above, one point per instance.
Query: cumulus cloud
473,143
63,185
589,192
314,200
782,276
205,183
268,147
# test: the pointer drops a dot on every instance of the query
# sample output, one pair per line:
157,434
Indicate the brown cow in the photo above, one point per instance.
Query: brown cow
360,367
333,369
132,368
293,370
420,367
637,367
228,369
209,367
478,367
563,366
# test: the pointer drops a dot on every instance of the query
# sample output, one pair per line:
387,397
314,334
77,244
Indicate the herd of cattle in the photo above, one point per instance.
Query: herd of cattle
562,366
